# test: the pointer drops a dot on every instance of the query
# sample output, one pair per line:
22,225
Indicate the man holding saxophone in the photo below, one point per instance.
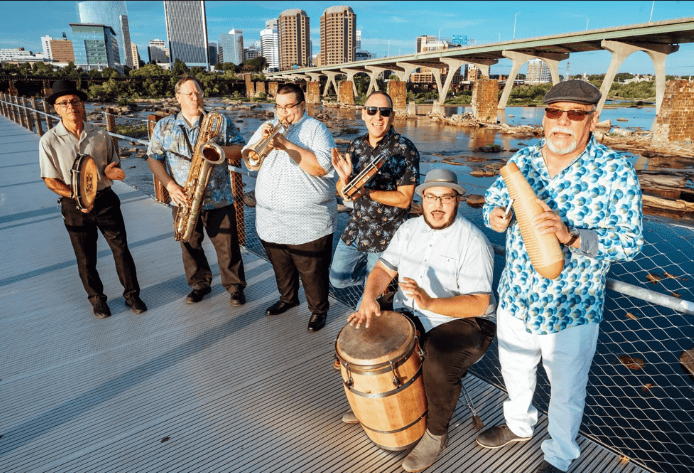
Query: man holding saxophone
591,202
382,204
296,209
170,151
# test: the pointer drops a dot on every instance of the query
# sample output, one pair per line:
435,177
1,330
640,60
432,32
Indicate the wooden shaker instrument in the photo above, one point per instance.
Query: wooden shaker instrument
545,252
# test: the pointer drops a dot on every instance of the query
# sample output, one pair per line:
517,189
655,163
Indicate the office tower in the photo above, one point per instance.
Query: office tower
158,52
62,50
423,40
186,31
214,55
46,44
109,14
270,46
338,35
358,39
293,31
125,32
135,55
537,72
250,53
95,47
230,47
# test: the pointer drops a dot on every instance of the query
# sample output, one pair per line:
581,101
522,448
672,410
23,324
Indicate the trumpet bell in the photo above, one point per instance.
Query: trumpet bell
257,152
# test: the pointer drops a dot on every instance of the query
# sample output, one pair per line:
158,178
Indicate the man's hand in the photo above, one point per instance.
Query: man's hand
178,195
342,164
498,220
549,222
419,295
367,310
114,173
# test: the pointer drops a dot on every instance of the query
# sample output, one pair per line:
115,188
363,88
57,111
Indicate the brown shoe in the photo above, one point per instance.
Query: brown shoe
498,436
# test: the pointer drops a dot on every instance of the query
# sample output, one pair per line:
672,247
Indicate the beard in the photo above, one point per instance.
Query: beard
440,225
569,148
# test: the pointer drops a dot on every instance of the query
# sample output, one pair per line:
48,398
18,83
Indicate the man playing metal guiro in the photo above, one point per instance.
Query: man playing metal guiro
170,151
58,150
591,201
383,203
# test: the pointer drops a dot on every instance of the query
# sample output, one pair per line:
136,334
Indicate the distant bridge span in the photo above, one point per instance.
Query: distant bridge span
657,39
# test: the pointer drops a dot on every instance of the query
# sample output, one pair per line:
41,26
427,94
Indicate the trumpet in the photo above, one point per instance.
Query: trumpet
256,153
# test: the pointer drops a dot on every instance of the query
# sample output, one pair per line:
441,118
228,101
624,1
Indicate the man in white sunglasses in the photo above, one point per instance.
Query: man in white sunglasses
383,203
591,201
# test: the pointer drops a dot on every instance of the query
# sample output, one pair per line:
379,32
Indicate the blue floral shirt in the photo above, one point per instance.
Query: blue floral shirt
599,194
168,145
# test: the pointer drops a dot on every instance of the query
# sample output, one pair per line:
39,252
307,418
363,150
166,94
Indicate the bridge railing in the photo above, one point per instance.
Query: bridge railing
640,395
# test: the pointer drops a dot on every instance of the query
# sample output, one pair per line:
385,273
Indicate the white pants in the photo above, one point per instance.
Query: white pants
566,357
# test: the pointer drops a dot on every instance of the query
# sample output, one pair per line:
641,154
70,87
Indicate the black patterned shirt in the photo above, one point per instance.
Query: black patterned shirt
373,224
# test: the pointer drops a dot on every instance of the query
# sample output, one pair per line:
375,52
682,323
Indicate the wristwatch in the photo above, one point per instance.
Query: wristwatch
574,236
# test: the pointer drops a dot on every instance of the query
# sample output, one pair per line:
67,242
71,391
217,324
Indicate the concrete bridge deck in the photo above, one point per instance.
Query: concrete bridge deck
180,388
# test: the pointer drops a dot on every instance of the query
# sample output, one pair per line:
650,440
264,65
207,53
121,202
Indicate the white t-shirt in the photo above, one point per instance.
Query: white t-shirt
455,261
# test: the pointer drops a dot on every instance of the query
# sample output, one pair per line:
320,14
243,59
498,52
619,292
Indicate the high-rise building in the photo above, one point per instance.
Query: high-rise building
158,52
422,41
213,53
538,71
338,35
135,55
186,31
293,29
125,31
109,13
270,47
358,39
62,51
46,44
250,53
230,47
95,47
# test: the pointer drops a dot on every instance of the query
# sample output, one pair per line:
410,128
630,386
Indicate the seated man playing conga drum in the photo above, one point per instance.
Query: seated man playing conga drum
444,266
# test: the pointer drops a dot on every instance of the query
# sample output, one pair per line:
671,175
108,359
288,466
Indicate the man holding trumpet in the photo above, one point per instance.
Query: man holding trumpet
170,151
591,200
295,206
382,204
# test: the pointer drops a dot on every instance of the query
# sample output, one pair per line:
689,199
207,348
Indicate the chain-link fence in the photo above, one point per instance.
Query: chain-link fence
640,399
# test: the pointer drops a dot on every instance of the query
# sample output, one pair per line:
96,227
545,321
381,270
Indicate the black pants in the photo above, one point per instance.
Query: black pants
309,260
82,228
450,350
220,225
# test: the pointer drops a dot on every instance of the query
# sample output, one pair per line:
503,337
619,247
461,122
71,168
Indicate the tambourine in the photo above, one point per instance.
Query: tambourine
84,181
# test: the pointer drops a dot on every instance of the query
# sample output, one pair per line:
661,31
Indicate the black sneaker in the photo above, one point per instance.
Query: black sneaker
237,299
498,436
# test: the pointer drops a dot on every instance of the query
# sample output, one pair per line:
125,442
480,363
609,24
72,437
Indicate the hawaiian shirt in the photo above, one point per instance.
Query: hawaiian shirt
599,194
373,224
168,144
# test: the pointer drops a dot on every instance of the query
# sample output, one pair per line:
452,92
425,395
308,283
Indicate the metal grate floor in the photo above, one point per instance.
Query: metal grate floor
181,388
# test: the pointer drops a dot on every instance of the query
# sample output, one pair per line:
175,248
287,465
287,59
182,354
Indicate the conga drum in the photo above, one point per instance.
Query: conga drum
84,181
382,375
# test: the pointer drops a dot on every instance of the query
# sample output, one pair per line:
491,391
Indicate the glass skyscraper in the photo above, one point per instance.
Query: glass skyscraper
186,31
95,47
110,14
231,47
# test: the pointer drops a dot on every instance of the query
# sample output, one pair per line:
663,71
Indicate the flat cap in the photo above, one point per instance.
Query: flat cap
576,91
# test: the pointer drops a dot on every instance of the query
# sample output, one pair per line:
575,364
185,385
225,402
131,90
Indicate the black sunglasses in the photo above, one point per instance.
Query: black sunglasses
574,115
385,111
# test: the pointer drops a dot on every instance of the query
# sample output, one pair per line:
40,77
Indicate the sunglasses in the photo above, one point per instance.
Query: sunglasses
385,111
574,115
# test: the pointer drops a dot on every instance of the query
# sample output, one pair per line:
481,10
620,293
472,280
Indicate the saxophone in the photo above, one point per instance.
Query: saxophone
206,155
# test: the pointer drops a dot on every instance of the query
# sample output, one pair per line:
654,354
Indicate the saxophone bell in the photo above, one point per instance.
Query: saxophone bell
256,153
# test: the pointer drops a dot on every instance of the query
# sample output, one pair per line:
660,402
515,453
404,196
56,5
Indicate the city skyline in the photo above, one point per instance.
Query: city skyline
388,28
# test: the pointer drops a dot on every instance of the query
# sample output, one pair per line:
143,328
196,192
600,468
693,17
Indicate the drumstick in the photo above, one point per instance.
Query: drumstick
544,251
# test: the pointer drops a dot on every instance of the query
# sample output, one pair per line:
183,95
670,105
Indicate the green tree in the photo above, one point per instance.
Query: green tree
179,68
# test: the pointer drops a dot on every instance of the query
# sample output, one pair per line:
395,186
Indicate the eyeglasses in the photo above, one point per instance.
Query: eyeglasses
190,95
287,108
75,103
574,115
385,111
445,199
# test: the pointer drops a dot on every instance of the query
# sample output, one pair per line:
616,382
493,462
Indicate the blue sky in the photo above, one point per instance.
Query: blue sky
385,26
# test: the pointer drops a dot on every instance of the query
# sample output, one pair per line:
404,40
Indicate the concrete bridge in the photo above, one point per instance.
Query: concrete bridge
657,39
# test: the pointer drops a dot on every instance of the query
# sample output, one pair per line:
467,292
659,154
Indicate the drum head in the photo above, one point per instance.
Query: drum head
388,337
88,181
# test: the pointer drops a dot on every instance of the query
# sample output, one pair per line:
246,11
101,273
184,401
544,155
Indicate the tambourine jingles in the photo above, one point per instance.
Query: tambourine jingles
544,251
84,181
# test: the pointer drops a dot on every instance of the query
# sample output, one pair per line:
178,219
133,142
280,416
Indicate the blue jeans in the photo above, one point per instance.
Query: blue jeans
350,267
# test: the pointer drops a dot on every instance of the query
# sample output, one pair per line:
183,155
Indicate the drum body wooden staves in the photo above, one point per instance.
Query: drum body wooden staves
382,375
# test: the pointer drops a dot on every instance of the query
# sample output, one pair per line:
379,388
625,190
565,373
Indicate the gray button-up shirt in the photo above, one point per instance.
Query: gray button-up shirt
59,148
292,206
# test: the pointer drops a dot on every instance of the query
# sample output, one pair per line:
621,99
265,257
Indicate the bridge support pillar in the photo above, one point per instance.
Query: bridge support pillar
331,81
350,77
621,50
407,69
373,76
453,65
518,59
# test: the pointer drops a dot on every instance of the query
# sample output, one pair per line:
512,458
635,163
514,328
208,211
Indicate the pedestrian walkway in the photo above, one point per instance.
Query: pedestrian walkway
187,388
